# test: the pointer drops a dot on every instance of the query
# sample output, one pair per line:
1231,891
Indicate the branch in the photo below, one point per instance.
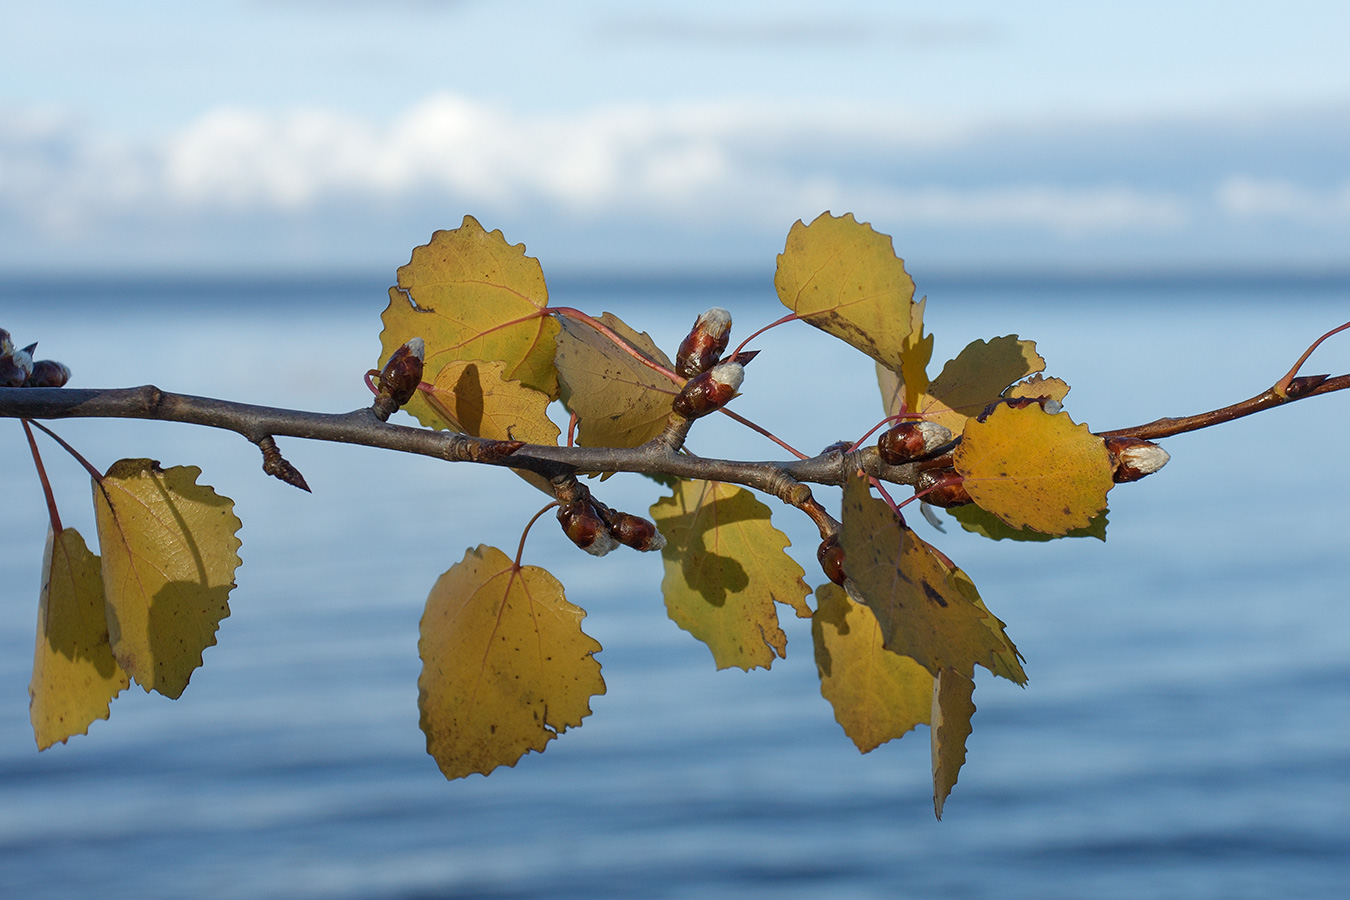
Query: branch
783,479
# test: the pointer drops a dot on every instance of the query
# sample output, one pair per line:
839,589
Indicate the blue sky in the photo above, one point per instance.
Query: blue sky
304,135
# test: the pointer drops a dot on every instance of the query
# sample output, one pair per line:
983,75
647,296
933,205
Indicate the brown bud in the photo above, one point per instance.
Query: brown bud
584,527
909,441
1134,458
400,377
48,373
946,488
15,367
635,532
709,391
831,557
704,344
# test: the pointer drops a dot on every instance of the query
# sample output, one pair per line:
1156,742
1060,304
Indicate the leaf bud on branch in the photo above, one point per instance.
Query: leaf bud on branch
705,343
584,527
1134,458
831,557
709,391
942,487
400,377
910,441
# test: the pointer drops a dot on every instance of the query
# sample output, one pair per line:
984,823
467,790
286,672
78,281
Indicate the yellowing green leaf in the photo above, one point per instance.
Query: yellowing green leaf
844,278
725,567
976,378
471,296
977,520
1035,470
952,709
505,664
923,610
877,695
620,401
75,676
169,555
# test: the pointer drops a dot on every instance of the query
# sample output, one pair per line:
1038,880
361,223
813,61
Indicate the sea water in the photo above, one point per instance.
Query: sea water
1185,732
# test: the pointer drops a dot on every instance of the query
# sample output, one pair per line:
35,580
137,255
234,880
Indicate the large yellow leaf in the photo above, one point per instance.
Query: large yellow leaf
925,612
470,295
1035,470
845,279
619,401
75,675
976,378
726,566
505,664
901,390
169,555
877,695
952,709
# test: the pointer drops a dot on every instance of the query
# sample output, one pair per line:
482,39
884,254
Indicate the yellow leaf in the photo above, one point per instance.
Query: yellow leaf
726,566
619,400
844,278
900,391
1035,470
877,695
1038,387
952,709
924,611
976,378
505,664
469,295
75,676
169,555
475,398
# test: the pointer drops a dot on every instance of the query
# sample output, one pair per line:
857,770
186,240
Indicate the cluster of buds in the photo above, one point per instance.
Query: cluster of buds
597,529
705,343
17,368
399,378
1133,458
911,441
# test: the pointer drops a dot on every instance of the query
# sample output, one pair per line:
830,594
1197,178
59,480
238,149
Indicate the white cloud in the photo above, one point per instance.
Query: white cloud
724,168
1275,198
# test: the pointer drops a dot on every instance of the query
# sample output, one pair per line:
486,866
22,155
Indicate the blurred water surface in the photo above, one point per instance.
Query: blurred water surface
1186,730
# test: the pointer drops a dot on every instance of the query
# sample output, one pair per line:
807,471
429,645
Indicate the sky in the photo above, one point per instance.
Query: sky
308,136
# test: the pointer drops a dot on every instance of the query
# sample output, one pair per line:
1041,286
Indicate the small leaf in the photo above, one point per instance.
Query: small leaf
75,676
619,401
877,695
725,567
977,520
845,279
952,709
472,296
505,665
924,612
169,555
976,378
1035,470
1038,387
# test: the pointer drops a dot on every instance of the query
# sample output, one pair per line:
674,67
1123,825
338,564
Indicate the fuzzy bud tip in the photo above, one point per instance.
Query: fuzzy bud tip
729,374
